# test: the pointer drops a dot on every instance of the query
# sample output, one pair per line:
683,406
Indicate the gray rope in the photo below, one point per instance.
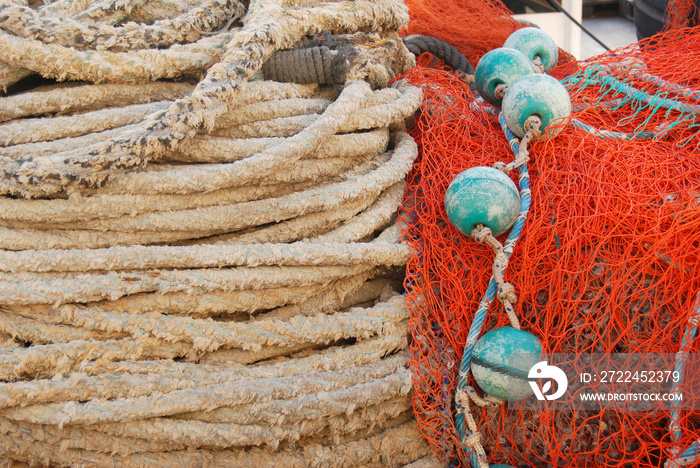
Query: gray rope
305,66
440,49
325,61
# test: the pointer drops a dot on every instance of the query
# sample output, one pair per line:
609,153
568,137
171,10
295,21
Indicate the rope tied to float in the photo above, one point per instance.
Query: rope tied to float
530,129
537,63
531,102
533,125
505,292
506,295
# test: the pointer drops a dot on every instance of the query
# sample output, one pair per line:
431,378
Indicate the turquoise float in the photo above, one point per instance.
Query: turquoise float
482,195
534,43
538,95
500,66
501,360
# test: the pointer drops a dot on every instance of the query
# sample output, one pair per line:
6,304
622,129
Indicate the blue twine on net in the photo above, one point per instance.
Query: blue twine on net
611,134
691,452
479,104
689,335
669,86
490,294
596,74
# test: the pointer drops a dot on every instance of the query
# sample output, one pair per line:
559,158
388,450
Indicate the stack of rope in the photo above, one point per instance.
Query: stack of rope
203,274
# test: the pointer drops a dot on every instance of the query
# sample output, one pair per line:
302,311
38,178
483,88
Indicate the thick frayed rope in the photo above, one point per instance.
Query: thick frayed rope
203,274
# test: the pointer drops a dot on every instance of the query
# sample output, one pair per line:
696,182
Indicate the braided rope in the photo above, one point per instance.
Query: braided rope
86,97
140,66
442,50
634,68
33,130
604,76
344,450
611,134
197,111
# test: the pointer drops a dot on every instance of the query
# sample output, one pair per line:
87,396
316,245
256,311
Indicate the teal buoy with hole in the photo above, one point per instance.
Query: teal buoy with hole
482,195
500,66
501,360
539,95
534,43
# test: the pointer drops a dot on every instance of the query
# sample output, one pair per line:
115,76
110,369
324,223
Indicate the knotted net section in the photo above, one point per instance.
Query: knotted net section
606,262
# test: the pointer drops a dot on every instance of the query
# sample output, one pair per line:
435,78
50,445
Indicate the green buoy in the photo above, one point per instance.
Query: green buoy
501,361
482,195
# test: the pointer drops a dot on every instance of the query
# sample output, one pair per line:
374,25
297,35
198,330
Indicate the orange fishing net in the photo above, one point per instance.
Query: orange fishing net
473,27
681,13
608,260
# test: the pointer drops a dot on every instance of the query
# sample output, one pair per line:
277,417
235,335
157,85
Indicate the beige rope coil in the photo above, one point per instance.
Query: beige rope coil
204,272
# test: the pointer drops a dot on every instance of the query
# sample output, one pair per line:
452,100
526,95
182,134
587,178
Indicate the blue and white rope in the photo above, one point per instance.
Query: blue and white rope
667,85
490,294
689,455
600,75
610,134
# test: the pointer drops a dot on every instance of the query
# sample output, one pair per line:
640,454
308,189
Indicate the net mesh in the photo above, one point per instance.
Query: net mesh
608,261
472,27
681,14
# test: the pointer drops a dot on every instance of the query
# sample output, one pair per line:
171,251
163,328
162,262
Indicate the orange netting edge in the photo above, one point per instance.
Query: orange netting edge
599,213
681,14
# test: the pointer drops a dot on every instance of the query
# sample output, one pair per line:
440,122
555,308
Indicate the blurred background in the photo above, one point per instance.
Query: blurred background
614,23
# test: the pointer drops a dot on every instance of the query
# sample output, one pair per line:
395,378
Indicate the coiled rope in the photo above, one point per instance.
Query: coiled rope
204,274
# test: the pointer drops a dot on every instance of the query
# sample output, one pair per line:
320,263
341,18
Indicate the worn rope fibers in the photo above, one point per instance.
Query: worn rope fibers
203,274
